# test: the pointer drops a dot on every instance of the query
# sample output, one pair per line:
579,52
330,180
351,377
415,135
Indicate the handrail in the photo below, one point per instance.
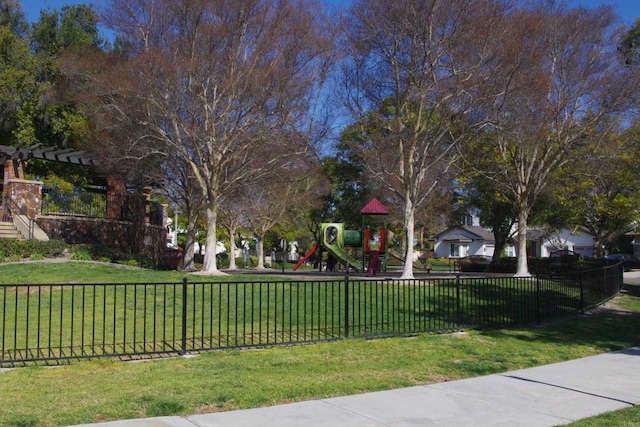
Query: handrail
9,207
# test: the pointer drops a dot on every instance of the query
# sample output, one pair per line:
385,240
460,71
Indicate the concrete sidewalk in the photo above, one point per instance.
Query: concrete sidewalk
544,396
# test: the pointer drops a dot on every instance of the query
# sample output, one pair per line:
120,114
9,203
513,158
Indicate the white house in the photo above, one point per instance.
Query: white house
464,241
474,240
543,242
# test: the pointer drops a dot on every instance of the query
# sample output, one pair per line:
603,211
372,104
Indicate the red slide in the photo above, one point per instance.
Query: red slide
306,256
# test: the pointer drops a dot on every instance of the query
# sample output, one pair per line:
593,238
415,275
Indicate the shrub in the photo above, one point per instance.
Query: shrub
129,262
13,258
103,253
81,254
145,261
16,249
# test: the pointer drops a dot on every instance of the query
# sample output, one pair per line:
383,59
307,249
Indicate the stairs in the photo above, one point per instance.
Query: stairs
9,231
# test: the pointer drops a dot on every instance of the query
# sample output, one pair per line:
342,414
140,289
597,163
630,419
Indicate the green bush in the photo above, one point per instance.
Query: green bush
103,253
129,262
240,263
13,249
81,254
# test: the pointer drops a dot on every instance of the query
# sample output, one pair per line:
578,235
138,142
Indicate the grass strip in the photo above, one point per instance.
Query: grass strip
101,390
87,392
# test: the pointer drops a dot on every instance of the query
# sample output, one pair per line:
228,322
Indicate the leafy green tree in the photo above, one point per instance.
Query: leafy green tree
477,190
67,48
600,189
548,96
348,189
72,28
630,44
20,88
12,17
39,74
66,42
496,210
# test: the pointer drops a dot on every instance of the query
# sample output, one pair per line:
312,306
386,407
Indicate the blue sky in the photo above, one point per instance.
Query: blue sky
628,10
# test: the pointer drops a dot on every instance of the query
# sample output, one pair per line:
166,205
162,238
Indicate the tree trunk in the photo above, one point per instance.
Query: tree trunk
259,252
523,217
232,249
409,228
598,251
188,263
210,263
500,238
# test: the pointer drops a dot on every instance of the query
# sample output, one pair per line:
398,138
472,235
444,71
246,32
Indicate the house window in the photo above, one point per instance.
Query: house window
510,251
459,250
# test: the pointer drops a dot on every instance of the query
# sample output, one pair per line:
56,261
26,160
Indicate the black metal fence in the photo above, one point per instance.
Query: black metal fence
70,321
99,204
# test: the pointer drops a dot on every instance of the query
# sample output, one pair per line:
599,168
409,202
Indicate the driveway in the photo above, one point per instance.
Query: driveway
632,277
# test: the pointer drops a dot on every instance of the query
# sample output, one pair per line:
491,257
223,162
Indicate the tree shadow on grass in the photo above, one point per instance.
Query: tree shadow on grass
604,329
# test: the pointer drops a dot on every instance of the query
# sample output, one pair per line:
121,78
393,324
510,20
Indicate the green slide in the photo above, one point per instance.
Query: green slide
334,238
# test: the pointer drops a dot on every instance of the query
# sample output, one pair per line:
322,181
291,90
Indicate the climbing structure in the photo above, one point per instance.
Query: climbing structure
375,236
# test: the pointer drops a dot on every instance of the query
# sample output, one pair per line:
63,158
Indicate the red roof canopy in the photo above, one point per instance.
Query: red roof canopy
374,207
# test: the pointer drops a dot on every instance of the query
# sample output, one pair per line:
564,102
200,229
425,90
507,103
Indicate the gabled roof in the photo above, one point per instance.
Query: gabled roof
374,207
467,234
461,238
539,234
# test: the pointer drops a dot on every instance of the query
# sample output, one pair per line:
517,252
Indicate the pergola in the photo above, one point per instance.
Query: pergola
14,158
68,155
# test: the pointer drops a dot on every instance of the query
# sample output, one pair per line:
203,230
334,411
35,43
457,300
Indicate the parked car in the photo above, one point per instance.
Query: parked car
629,262
564,260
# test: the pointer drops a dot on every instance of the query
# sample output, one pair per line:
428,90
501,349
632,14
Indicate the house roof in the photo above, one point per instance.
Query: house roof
539,234
458,238
374,207
467,234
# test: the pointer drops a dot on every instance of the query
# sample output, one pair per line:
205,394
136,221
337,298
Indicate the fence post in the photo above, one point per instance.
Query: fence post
538,297
620,278
183,350
346,302
458,302
581,281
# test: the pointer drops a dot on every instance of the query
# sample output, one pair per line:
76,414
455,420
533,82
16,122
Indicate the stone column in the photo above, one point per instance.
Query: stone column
13,169
27,195
146,192
116,191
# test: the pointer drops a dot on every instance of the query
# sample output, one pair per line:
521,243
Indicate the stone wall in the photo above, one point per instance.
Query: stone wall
126,227
130,238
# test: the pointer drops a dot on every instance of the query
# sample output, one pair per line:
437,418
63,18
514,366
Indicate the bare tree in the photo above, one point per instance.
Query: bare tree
182,189
275,198
215,81
408,82
555,78
231,218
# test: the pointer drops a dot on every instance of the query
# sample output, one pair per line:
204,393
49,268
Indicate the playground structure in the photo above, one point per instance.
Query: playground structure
339,242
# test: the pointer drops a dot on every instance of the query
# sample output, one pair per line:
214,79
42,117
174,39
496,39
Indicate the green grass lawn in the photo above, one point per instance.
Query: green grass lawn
101,390
37,272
